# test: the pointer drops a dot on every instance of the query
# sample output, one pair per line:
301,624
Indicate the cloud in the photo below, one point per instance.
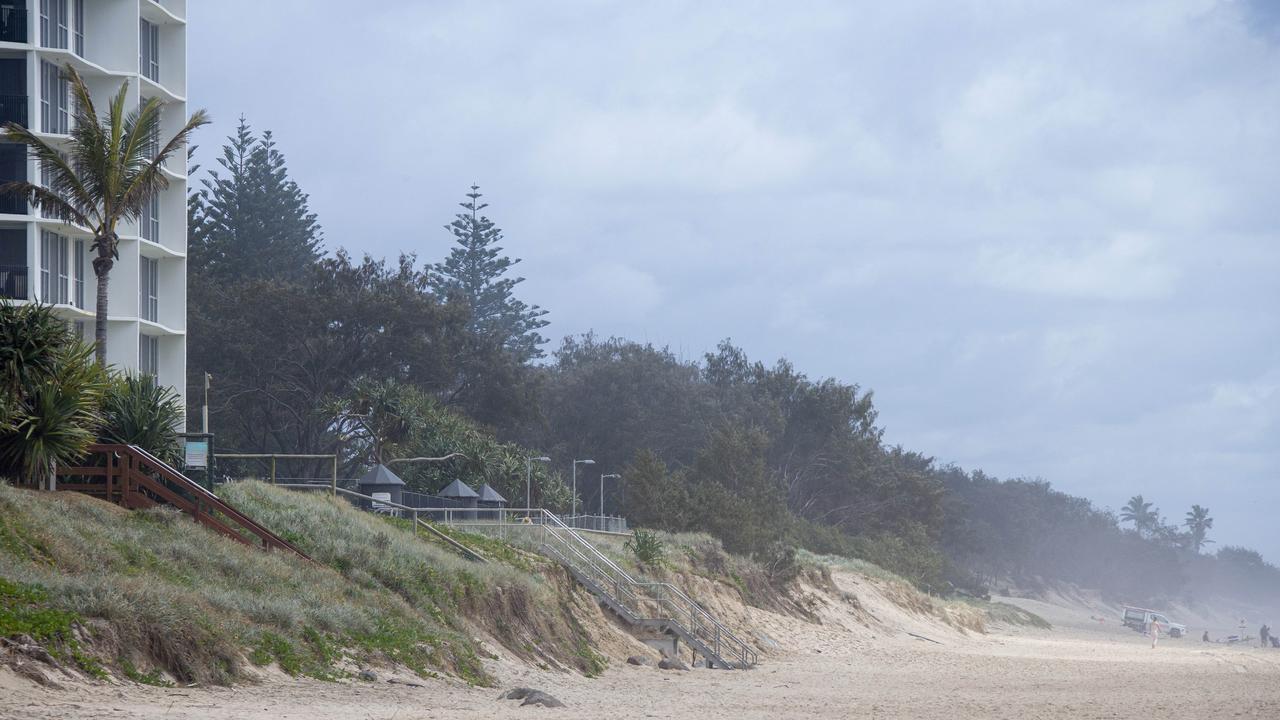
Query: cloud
718,149
1126,267
1044,233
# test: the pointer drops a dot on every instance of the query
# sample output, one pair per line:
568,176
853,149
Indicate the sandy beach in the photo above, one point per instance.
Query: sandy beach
860,662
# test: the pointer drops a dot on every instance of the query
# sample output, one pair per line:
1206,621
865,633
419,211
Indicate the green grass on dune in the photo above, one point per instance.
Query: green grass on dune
158,592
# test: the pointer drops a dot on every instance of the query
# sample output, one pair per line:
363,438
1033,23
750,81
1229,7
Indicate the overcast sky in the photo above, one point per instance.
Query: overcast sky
1045,234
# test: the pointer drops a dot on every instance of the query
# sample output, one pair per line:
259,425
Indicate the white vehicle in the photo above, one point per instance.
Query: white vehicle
1140,619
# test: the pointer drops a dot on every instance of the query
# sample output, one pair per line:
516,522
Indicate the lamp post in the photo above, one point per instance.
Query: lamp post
573,501
528,479
614,476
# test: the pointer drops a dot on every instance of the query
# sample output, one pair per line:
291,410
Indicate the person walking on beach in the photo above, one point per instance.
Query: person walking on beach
1155,633
1264,633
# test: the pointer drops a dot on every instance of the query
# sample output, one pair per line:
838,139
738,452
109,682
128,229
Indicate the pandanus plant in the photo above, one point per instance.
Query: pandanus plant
108,172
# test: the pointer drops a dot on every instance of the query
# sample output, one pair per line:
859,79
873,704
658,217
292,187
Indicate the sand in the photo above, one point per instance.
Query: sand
859,663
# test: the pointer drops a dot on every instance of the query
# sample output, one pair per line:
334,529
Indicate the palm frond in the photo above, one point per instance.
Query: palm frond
90,154
50,203
64,180
151,177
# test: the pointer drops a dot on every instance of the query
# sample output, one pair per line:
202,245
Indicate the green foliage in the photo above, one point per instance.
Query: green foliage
400,420
781,564
250,219
654,496
475,273
52,391
1198,524
912,556
1141,514
25,610
733,495
136,410
646,547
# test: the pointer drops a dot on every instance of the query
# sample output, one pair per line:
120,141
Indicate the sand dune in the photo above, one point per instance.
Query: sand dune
859,662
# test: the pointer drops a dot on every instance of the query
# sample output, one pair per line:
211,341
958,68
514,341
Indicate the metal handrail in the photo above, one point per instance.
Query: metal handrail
582,555
717,636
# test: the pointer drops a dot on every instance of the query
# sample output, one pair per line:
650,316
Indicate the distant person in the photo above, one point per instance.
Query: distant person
1154,631
1264,633
1206,636
1275,642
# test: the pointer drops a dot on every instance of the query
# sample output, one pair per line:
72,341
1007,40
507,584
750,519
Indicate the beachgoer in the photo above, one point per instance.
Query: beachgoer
1206,636
1263,633
1155,633
1275,642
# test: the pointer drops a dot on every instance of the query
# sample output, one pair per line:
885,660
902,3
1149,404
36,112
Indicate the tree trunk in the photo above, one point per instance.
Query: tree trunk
102,269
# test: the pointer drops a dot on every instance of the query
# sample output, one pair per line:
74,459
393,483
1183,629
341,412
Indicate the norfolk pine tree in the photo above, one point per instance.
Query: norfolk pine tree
251,220
474,271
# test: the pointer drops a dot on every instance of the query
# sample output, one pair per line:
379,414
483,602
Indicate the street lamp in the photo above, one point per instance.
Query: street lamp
573,502
528,479
614,476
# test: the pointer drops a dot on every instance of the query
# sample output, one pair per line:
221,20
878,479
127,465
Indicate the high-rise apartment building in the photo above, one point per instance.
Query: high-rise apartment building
109,42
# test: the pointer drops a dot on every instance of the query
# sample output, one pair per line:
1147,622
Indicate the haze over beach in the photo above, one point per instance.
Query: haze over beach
749,361
1044,236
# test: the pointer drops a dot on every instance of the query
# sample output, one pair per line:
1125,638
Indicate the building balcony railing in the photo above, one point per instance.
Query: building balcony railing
13,108
13,23
11,203
13,282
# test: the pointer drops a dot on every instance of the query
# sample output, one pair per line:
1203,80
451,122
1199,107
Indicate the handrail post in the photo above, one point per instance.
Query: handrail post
333,481
415,522
273,469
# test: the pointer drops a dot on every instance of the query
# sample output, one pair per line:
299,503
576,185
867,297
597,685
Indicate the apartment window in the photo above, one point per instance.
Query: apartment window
55,268
149,43
148,354
80,270
79,28
53,23
148,302
150,220
55,105
152,146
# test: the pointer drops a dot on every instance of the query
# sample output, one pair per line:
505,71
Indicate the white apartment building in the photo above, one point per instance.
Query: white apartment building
144,43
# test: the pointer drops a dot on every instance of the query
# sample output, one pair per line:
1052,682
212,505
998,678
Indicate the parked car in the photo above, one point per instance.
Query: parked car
1141,618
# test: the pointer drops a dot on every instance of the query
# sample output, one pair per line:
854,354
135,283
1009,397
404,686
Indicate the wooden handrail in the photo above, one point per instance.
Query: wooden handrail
134,477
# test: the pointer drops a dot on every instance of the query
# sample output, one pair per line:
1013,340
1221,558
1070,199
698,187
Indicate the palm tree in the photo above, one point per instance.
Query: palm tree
1140,513
1199,524
109,173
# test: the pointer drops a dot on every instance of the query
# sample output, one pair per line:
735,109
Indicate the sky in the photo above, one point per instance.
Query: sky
1045,235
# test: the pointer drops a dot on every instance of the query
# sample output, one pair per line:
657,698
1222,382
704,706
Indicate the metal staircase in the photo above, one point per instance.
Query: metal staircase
650,605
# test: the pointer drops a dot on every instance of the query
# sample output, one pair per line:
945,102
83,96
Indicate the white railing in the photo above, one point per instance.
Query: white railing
639,600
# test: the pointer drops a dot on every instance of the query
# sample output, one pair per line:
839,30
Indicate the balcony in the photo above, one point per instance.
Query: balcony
13,22
13,282
13,167
13,108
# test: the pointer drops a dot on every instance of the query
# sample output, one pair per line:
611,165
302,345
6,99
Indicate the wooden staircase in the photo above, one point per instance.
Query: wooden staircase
133,478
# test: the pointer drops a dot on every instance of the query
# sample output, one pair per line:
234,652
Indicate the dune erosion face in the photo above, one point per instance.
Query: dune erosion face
864,653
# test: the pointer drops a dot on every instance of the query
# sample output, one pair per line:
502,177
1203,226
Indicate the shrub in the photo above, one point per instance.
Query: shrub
50,388
646,547
136,410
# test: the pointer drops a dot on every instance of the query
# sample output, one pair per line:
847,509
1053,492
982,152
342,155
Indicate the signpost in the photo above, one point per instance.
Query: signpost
197,452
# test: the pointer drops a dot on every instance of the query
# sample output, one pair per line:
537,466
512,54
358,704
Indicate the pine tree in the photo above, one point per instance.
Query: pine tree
250,219
474,271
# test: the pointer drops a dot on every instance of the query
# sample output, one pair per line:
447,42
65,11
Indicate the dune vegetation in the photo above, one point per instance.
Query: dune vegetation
152,596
